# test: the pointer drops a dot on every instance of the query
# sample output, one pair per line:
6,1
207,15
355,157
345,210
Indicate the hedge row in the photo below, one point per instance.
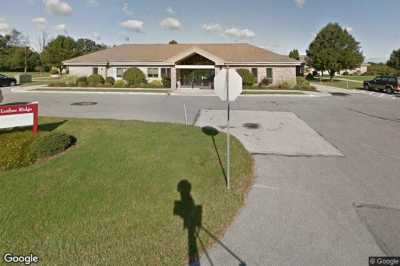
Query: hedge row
20,148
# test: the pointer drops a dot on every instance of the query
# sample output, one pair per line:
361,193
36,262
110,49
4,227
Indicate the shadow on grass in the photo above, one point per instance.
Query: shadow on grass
212,132
191,215
48,127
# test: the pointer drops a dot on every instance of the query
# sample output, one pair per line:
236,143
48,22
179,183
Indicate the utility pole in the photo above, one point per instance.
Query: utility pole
26,59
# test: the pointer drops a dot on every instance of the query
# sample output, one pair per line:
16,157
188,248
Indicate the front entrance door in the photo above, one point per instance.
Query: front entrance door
197,78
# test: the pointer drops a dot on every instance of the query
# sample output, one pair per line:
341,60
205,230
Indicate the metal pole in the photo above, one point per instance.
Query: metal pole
228,148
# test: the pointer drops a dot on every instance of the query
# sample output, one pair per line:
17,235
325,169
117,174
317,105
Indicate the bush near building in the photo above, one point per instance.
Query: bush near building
110,81
247,77
95,80
134,77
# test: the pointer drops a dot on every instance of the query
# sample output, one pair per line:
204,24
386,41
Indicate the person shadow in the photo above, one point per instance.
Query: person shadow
191,215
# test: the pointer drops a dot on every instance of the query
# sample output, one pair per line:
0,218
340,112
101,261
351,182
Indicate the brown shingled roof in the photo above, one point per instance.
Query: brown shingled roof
233,52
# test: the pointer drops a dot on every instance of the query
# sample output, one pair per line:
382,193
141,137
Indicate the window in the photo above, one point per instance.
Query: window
120,72
165,72
254,71
269,74
152,72
95,71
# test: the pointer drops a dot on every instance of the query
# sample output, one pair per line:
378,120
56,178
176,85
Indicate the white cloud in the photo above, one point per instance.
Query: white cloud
97,36
5,28
213,28
348,29
239,33
61,28
40,22
133,25
58,7
171,24
126,10
300,3
170,10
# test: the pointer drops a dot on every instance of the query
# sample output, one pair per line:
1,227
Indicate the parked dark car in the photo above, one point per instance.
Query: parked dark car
389,84
7,81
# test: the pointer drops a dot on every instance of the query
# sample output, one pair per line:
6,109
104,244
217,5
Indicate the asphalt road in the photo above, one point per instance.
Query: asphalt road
302,210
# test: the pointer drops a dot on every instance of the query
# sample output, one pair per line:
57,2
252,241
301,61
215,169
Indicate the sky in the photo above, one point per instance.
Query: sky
277,25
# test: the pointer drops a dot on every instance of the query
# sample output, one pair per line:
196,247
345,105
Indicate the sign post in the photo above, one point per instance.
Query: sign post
19,115
228,86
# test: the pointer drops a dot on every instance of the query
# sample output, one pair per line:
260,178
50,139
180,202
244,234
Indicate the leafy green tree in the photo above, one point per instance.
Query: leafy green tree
86,46
173,42
334,49
394,60
294,54
58,50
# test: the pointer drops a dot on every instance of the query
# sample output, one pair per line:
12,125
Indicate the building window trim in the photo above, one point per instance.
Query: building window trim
121,70
152,72
269,74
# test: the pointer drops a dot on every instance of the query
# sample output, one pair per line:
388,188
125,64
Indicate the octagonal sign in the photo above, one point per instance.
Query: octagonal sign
234,82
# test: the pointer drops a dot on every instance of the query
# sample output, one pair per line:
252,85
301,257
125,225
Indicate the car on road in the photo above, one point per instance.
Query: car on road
7,81
389,84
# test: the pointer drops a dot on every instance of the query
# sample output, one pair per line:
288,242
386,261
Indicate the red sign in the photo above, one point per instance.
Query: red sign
19,115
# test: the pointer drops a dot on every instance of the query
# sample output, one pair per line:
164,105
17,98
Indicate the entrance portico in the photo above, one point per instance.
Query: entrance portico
194,69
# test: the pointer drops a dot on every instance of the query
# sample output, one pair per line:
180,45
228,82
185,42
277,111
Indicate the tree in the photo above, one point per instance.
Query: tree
294,54
394,60
86,46
173,42
334,49
60,49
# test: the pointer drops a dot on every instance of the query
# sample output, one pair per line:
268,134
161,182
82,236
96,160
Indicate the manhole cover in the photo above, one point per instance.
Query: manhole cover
251,125
84,103
342,94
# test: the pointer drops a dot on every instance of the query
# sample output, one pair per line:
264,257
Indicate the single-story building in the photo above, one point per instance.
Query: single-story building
179,61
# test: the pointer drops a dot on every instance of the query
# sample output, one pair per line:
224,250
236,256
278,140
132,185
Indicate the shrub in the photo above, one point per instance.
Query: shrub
54,71
134,76
284,86
81,84
23,78
120,84
81,79
59,84
155,84
247,77
346,73
303,84
309,76
14,152
166,82
49,144
110,81
95,80
265,82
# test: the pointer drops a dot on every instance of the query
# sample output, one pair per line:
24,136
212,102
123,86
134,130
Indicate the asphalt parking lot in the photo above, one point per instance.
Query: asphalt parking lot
302,209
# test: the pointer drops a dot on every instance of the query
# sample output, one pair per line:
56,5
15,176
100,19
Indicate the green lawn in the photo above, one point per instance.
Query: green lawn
110,199
357,78
339,83
344,82
35,75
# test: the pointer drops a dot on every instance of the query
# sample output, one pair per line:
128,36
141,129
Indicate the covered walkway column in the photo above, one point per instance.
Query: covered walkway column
173,78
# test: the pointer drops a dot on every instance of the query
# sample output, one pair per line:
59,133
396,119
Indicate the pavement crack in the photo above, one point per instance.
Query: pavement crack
374,116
